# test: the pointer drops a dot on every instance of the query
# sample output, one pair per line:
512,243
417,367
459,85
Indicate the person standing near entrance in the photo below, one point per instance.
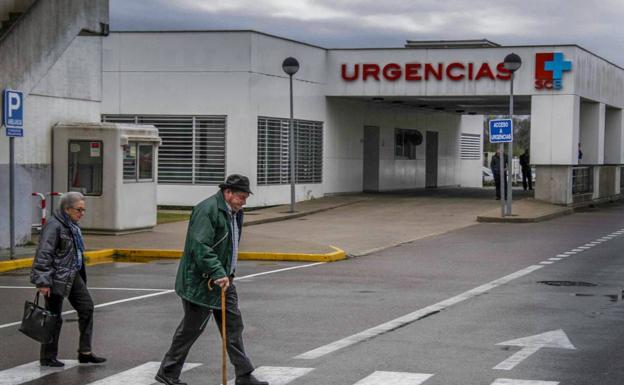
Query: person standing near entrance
58,271
525,164
495,167
210,254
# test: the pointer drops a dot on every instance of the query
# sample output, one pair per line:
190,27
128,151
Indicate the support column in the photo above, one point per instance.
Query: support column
614,136
554,145
592,132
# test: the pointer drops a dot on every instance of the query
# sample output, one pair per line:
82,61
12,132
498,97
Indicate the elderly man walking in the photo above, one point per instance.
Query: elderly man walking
210,254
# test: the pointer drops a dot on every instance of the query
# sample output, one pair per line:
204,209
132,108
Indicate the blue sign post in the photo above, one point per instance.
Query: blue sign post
501,130
13,113
13,120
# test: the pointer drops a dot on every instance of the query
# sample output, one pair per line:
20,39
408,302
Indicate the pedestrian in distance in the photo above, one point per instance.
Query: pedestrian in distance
580,152
58,271
210,255
495,167
525,165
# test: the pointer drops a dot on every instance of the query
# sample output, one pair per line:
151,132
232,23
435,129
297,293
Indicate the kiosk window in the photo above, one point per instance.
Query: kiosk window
85,167
138,162
146,161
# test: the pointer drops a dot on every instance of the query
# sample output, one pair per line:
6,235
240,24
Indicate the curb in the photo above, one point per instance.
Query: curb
253,222
97,257
540,218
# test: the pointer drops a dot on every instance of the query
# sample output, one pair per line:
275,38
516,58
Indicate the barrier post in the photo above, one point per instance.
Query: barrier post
43,210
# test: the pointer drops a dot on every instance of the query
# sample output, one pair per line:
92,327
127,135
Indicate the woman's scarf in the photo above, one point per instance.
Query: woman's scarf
77,237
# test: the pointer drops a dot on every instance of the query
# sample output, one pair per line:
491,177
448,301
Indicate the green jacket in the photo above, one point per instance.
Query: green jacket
207,252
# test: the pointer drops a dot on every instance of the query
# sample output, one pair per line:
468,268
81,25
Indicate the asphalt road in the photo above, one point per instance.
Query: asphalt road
454,309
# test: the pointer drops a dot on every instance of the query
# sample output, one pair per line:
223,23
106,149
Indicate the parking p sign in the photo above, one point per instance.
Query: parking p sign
501,130
13,112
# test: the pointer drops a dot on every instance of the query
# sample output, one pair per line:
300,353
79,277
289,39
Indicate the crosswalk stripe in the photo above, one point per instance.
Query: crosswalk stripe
140,375
277,375
394,378
507,381
31,371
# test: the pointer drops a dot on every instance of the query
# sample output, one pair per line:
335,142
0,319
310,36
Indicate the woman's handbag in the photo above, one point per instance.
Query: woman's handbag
38,323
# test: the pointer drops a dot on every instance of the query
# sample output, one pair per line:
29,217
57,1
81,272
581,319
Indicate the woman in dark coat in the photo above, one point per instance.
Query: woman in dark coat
58,271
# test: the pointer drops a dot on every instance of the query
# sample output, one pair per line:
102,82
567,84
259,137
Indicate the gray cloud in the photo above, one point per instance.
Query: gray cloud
596,26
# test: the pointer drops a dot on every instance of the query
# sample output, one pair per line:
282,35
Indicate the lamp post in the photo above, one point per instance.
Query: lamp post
511,63
290,65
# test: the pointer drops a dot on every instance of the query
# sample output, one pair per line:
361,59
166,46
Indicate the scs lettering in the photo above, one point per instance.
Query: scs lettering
549,69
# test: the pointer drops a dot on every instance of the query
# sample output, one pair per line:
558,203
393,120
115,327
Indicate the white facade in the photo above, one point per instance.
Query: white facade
239,75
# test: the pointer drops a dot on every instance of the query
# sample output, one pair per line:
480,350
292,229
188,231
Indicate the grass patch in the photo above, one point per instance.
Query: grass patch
171,217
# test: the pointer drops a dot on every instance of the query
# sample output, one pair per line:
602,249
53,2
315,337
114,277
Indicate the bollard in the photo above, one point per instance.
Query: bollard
43,210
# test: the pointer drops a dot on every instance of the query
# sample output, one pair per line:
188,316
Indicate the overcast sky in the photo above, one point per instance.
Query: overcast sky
595,25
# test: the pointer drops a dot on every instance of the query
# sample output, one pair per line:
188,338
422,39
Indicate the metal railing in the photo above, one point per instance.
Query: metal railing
582,180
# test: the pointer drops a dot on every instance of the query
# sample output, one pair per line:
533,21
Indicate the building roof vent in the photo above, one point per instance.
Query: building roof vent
483,43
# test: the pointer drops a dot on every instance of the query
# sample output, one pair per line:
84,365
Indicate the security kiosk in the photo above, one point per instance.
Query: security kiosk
114,167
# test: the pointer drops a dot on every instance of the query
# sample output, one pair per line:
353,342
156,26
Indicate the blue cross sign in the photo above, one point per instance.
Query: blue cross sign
501,131
558,65
13,112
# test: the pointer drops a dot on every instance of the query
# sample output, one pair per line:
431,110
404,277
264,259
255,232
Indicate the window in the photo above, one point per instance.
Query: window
406,142
138,162
85,169
192,149
470,147
273,155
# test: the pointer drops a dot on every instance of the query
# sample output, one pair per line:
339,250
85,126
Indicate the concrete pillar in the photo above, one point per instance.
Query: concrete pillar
553,184
614,136
554,129
592,132
554,145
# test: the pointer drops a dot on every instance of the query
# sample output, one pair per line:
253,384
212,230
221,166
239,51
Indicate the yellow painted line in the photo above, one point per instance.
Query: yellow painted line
15,264
337,255
145,255
97,257
149,253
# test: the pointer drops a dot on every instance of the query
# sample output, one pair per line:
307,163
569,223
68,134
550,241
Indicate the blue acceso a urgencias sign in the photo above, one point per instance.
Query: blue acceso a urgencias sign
501,131
13,112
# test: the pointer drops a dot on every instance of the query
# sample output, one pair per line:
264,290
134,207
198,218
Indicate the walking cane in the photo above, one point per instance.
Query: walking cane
223,335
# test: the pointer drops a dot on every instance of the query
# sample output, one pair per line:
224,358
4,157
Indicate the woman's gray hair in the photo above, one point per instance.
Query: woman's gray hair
69,199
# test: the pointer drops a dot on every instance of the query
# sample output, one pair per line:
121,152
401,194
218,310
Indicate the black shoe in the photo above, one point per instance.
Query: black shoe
249,379
168,380
51,362
90,359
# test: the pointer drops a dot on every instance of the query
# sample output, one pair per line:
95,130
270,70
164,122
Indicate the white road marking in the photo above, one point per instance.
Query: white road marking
394,378
585,247
554,259
546,262
570,252
140,375
277,375
562,255
279,270
91,288
554,339
171,291
507,381
31,371
414,316
578,250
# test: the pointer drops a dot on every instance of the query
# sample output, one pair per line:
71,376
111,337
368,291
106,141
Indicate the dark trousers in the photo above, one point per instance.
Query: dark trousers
81,301
193,324
497,182
527,179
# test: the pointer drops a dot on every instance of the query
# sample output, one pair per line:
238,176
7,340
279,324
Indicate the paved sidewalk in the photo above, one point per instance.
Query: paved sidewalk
357,223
